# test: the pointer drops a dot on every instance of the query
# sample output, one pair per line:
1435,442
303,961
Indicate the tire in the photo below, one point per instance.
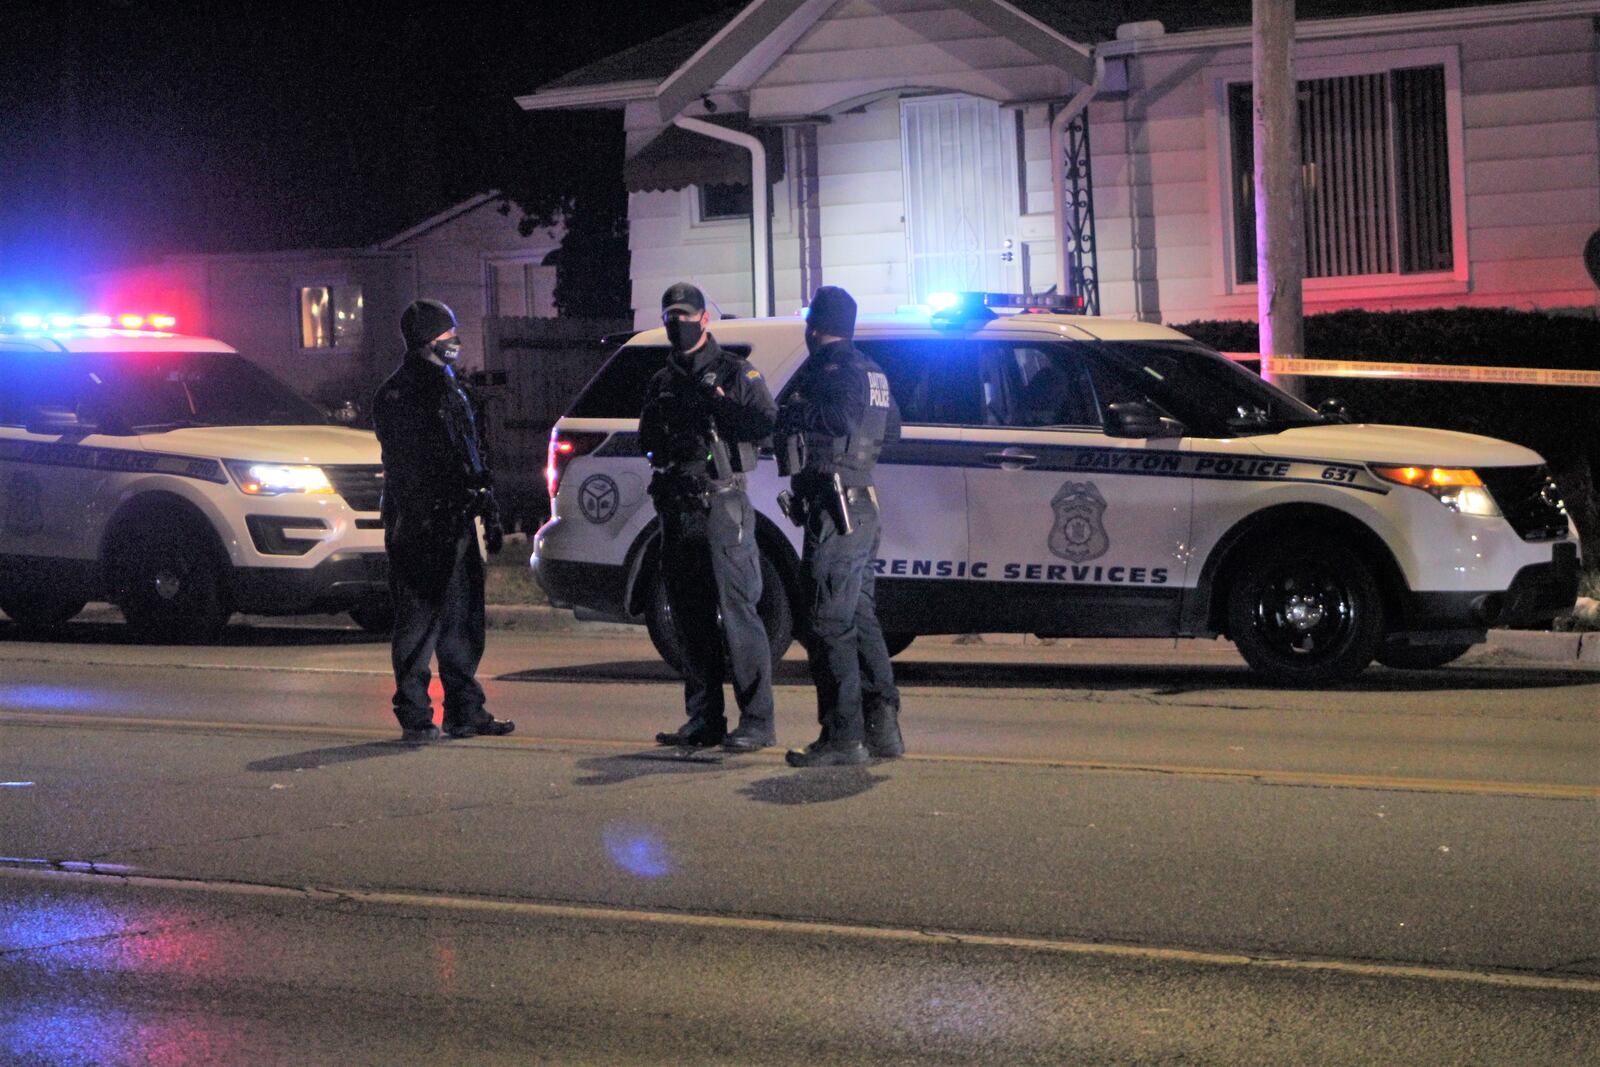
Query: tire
1420,657
897,642
374,616
40,611
167,577
774,608
1305,614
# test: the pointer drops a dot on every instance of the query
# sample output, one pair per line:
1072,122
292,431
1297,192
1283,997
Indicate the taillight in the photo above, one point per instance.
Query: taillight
566,446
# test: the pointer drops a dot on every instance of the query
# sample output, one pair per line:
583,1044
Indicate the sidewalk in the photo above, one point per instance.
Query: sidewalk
1537,646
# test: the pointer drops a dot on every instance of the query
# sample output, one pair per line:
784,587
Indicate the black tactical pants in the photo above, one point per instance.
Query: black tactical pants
849,662
438,608
710,564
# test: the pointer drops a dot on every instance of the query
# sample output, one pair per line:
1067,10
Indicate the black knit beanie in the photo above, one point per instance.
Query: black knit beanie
833,312
425,320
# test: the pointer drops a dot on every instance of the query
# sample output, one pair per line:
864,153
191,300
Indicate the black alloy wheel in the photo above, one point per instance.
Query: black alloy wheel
897,641
1306,614
37,610
777,616
374,616
168,580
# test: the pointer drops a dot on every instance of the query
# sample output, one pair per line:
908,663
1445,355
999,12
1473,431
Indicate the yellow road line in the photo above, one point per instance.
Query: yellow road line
1269,776
812,928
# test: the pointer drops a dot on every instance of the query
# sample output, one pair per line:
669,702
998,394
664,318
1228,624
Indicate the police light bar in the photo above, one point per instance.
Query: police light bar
33,322
959,307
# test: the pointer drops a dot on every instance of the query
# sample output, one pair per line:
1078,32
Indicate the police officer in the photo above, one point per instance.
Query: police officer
704,412
841,409
436,490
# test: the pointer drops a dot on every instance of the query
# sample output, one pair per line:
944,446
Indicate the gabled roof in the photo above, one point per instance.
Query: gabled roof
654,60
1089,22
441,218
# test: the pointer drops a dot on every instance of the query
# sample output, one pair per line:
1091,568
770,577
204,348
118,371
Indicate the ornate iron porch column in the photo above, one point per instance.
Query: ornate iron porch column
1083,257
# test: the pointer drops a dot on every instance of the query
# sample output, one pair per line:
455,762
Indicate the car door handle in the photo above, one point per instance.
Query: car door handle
1010,459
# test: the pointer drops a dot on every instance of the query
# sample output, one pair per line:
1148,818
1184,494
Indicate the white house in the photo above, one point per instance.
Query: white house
1451,152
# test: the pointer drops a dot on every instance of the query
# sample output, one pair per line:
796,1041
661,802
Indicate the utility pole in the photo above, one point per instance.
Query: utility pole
1280,209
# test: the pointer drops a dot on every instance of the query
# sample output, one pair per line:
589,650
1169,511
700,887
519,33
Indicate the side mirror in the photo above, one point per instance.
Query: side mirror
58,422
1333,409
1136,418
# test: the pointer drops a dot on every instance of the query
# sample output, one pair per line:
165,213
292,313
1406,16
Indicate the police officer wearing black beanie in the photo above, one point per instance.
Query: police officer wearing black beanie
437,489
840,405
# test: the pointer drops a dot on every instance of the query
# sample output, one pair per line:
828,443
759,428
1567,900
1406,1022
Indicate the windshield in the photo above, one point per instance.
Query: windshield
1210,394
151,391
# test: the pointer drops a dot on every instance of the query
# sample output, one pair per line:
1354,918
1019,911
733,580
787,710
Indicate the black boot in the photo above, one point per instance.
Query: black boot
883,732
696,733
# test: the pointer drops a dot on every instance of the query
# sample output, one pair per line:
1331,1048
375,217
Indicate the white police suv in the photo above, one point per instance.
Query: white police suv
179,480
1078,477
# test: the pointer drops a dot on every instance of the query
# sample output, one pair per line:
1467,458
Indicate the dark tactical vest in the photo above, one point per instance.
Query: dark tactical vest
854,456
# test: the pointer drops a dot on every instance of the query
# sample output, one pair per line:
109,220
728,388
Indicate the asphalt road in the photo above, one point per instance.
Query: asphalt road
1098,853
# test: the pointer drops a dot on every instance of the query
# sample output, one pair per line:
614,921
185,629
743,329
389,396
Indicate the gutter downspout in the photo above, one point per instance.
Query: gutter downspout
1058,130
760,211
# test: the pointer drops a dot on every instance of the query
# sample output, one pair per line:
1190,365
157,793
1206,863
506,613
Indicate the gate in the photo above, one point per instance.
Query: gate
533,370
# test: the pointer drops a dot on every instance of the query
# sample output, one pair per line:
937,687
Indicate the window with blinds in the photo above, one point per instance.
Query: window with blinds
1375,167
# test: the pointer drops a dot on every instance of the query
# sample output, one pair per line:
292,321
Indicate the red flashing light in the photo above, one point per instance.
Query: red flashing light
564,448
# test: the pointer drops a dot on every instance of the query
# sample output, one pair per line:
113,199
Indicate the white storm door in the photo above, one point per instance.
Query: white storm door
960,166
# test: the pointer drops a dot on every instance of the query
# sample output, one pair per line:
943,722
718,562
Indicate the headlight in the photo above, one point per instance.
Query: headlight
273,479
1458,489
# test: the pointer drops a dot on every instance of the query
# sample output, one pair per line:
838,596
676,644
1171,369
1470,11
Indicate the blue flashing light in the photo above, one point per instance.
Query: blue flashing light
955,309
28,320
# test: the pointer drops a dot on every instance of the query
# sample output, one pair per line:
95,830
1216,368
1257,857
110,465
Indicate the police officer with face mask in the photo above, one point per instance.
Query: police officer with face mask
832,426
437,491
703,415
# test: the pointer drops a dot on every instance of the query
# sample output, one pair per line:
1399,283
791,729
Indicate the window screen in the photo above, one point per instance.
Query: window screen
1375,170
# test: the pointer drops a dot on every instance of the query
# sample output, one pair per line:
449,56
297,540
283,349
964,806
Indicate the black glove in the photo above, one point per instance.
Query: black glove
494,535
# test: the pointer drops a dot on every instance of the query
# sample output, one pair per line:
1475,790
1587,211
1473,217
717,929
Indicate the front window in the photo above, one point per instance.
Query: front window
725,200
1375,169
330,316
154,391
1210,394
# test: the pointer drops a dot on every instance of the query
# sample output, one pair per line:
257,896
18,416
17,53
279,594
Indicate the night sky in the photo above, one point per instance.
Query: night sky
135,128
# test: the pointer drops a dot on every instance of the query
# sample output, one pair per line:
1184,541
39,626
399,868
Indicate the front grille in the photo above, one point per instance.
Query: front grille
361,487
1529,500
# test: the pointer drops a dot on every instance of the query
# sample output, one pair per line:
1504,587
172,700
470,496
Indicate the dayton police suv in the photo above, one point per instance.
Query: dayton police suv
1079,477
172,476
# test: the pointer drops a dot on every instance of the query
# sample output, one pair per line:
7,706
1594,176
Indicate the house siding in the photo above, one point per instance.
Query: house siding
450,266
898,44
1530,163
1528,168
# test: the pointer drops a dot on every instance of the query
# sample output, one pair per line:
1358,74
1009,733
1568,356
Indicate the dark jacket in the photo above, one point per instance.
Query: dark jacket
435,469
681,399
840,400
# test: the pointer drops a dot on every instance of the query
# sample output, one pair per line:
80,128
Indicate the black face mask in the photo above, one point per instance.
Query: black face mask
447,351
813,342
684,333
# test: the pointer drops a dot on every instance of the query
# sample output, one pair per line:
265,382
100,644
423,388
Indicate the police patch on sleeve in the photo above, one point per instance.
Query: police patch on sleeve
753,374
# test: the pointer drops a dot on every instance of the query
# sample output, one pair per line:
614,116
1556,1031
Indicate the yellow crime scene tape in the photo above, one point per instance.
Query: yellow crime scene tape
1420,372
